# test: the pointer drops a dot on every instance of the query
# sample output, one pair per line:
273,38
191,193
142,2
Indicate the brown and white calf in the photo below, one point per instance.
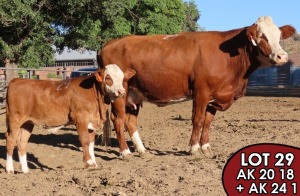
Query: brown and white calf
54,104
210,67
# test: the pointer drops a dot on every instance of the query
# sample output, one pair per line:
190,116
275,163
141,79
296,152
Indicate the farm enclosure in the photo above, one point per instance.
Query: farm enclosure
56,164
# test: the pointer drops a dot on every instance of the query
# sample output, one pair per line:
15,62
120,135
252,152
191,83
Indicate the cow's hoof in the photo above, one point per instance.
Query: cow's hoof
145,155
91,164
208,153
194,150
10,171
126,157
25,171
194,153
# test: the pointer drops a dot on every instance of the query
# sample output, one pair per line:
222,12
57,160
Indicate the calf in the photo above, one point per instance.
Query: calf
80,101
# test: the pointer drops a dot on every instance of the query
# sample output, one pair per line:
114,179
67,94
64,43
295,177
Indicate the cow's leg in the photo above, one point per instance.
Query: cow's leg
92,145
204,140
84,138
12,135
118,108
131,125
199,107
22,143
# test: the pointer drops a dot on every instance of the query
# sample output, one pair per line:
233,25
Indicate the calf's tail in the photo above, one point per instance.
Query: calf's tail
106,131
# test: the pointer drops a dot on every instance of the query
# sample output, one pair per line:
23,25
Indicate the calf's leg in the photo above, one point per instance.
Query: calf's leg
131,124
84,138
22,143
92,145
118,109
12,135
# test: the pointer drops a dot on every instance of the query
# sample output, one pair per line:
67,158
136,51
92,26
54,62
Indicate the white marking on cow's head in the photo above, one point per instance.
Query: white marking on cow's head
266,36
113,77
113,80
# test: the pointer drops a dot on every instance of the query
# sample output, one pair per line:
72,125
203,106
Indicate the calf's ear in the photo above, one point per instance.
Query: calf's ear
129,73
287,31
99,75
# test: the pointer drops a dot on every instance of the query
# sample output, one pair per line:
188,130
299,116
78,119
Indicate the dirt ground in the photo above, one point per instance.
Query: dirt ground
56,163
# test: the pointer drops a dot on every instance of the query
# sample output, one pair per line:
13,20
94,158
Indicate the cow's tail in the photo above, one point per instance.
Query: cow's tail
106,131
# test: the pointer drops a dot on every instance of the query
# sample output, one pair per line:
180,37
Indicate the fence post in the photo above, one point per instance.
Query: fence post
64,71
28,73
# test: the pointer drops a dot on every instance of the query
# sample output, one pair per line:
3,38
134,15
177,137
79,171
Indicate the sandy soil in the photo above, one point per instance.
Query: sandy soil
56,164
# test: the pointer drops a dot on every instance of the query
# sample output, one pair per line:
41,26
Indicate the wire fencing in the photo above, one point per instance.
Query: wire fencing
272,81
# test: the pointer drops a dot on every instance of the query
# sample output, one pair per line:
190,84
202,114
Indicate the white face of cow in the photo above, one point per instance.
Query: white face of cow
267,37
113,80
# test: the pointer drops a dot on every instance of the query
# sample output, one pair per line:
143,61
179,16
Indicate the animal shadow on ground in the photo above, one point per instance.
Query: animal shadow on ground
113,143
71,141
180,118
65,140
269,120
166,153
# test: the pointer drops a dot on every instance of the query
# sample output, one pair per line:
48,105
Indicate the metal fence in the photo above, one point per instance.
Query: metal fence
275,81
66,63
272,81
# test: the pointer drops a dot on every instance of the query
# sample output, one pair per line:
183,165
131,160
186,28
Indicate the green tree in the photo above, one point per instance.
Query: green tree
30,28
24,34
192,15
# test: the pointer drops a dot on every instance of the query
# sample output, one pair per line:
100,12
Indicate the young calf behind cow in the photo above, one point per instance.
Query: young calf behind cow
53,104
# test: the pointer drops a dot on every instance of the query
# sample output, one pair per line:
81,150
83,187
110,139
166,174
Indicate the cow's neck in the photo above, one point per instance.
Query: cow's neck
238,45
244,57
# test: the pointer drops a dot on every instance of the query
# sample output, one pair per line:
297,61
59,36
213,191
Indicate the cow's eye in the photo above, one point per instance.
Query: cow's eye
108,80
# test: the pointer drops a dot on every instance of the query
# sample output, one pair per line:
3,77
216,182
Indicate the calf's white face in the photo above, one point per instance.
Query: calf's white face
113,80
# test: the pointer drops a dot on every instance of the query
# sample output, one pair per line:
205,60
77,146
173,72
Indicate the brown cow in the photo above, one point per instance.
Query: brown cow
210,67
53,104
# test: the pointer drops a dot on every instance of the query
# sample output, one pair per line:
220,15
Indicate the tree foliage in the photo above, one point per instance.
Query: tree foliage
30,28
24,33
192,15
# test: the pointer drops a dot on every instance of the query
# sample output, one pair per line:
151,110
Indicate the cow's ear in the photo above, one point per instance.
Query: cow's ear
99,75
129,73
252,34
287,31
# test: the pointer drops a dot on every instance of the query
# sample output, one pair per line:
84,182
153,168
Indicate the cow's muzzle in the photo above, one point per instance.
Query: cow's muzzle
119,93
279,59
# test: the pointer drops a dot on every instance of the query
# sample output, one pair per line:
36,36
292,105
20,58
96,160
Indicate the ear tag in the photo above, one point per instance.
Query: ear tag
253,42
